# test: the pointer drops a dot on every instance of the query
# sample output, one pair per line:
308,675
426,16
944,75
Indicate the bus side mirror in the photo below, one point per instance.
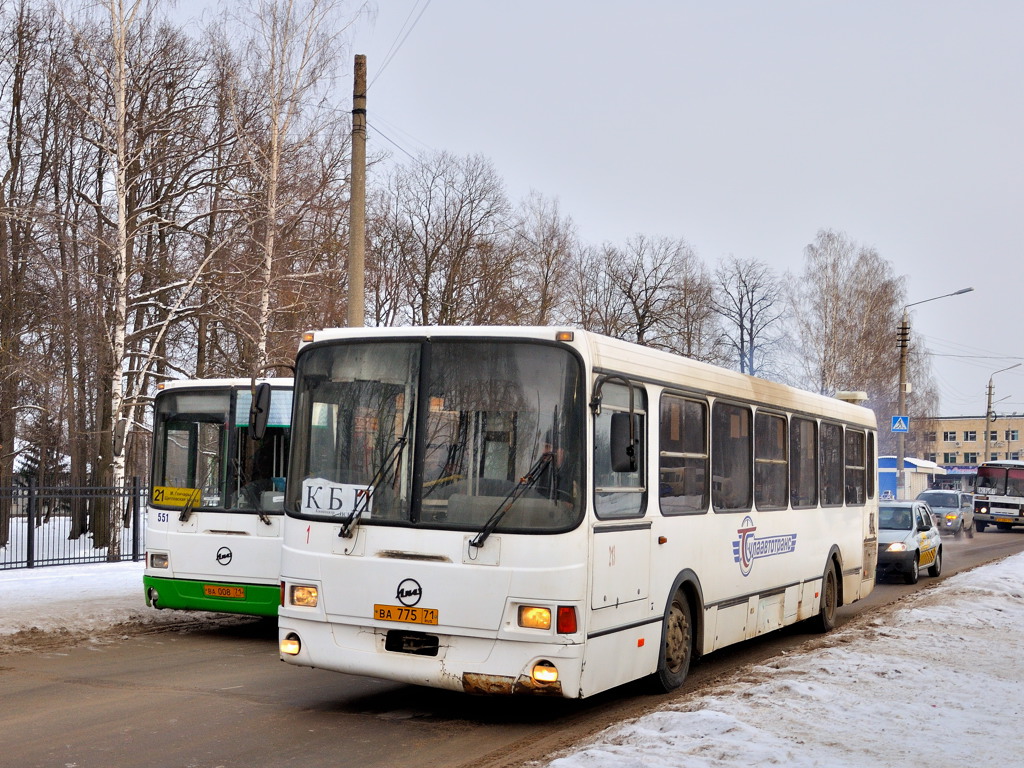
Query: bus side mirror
624,440
259,412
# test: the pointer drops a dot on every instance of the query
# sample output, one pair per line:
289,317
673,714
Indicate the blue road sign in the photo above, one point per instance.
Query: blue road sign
900,424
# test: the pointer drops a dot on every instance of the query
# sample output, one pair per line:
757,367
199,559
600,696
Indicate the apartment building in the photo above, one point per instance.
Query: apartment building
957,443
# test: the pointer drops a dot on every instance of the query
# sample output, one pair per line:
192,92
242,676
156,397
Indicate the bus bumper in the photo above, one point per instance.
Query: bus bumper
475,665
189,595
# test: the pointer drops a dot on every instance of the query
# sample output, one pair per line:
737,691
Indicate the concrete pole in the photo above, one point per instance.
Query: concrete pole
357,198
904,343
988,418
989,415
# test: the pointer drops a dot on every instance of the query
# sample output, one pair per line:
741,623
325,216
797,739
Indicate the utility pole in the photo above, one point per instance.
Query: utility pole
904,345
357,198
903,338
988,419
989,415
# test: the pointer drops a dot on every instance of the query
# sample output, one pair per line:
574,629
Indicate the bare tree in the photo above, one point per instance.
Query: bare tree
543,244
695,331
750,301
443,221
654,291
846,306
282,109
135,86
646,273
23,168
594,300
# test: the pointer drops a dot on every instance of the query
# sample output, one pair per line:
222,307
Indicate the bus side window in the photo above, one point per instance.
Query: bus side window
619,491
683,456
856,468
831,453
771,462
732,454
803,466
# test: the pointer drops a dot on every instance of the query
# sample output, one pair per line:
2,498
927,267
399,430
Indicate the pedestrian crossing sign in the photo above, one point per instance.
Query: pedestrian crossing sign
900,424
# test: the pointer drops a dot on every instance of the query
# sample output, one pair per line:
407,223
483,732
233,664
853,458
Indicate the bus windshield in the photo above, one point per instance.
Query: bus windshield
990,480
439,434
204,458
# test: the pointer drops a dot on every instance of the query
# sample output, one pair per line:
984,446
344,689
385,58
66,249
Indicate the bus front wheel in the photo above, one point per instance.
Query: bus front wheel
676,646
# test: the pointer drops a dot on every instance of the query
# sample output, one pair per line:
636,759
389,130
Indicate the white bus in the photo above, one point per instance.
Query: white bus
999,495
214,517
548,511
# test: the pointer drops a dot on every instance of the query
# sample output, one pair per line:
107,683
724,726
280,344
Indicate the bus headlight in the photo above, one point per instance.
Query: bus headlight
159,560
303,595
290,645
533,617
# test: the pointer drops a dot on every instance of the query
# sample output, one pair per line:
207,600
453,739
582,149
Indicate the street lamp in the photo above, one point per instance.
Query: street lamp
989,416
904,344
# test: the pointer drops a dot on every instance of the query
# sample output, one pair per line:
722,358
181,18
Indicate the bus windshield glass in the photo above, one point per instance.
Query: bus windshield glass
204,458
439,434
990,481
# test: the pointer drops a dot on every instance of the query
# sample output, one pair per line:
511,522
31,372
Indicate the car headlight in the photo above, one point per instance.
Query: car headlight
897,546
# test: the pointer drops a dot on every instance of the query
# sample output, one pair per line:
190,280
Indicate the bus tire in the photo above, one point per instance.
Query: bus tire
828,602
676,645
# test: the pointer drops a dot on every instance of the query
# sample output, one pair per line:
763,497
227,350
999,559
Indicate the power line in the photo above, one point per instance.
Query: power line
398,43
391,141
973,357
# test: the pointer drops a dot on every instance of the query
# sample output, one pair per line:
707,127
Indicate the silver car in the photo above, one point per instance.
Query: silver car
953,511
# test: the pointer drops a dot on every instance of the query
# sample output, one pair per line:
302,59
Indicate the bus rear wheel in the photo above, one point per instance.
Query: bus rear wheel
676,646
828,603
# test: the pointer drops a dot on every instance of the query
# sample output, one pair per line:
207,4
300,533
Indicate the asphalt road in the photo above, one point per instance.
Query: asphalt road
218,696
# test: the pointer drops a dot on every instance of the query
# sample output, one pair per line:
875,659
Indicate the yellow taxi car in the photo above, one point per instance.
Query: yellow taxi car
908,540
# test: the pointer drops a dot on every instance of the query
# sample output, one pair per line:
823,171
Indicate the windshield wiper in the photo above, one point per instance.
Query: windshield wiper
186,512
349,523
526,482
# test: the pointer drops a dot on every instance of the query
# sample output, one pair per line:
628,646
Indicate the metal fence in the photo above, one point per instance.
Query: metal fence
58,525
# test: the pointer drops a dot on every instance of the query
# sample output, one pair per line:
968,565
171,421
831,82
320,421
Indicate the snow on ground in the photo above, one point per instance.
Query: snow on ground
936,682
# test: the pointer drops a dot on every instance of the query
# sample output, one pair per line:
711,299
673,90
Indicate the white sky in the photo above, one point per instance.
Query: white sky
936,683
744,127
